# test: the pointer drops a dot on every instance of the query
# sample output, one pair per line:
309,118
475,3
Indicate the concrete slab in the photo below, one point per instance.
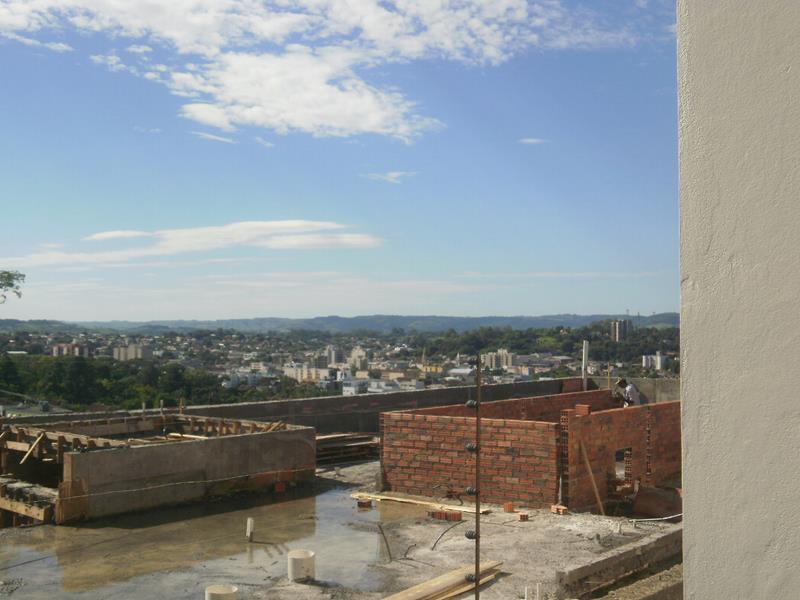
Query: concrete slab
360,554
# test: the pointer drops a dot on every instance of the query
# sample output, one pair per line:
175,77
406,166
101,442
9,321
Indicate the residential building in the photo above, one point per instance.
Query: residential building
358,358
71,350
353,387
655,361
132,352
306,372
502,359
621,329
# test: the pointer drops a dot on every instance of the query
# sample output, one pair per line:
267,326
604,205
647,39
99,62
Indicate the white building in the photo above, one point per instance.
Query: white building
358,359
334,355
71,350
655,361
353,387
502,359
305,372
132,352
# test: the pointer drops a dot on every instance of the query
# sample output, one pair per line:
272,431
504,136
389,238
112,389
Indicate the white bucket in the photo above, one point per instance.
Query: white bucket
222,591
301,565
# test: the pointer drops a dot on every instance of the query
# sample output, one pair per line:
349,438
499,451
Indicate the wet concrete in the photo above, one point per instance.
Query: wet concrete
360,554
179,551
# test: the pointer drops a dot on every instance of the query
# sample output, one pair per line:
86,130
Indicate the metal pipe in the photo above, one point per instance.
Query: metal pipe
478,480
585,365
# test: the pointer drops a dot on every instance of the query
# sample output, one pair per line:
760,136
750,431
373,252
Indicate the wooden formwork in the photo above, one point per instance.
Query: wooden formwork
37,447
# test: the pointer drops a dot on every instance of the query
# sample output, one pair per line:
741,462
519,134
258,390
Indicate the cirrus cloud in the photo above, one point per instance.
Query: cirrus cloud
390,176
274,235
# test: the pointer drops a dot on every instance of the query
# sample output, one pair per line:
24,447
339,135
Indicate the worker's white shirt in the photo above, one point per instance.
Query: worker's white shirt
631,395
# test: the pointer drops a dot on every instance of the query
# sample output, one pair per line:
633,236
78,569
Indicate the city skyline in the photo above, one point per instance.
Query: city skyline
255,161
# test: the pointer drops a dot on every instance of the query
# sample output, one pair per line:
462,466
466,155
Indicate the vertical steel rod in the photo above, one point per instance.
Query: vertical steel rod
478,480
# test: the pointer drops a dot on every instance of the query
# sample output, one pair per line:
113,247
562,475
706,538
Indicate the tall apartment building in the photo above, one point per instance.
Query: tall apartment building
502,359
320,361
132,352
334,355
358,358
621,329
71,350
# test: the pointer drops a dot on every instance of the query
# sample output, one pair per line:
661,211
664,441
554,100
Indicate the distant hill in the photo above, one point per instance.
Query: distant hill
334,324
39,326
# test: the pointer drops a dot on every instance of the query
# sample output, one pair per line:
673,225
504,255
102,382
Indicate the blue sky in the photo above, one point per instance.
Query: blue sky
212,159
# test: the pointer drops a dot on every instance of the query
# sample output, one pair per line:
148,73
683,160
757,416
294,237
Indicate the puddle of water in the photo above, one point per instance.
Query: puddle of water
201,542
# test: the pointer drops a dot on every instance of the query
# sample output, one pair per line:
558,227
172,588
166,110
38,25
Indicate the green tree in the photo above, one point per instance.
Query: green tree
9,376
79,382
10,283
172,379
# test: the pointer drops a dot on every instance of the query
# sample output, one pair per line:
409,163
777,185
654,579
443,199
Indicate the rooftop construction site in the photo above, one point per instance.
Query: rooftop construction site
578,497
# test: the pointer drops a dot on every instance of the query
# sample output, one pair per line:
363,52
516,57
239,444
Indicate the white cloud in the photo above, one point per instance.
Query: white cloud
317,241
262,142
281,293
139,49
305,65
116,235
112,62
152,130
390,176
213,138
59,47
275,235
531,141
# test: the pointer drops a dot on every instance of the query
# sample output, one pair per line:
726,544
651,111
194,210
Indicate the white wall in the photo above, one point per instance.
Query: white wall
739,77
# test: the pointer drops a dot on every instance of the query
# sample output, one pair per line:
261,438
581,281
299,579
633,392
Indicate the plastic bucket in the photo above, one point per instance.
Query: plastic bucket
301,565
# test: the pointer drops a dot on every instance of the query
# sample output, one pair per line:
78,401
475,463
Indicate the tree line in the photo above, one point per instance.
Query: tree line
77,382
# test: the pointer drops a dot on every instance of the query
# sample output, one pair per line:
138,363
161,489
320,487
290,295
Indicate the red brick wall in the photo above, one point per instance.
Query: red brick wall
424,454
665,441
651,431
536,408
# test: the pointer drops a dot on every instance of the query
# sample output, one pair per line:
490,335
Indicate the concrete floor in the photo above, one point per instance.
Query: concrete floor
175,553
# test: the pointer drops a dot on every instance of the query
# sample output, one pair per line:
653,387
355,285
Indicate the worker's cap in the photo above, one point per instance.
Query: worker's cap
621,381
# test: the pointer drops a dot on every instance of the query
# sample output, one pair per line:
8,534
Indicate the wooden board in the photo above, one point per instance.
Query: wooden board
40,513
435,505
439,587
467,587
18,446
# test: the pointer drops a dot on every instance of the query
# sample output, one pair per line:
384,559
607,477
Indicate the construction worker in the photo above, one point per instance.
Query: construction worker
630,395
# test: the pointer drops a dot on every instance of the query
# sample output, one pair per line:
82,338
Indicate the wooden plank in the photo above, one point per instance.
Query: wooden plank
434,505
60,443
591,476
40,513
435,587
32,432
186,436
33,447
467,587
18,446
